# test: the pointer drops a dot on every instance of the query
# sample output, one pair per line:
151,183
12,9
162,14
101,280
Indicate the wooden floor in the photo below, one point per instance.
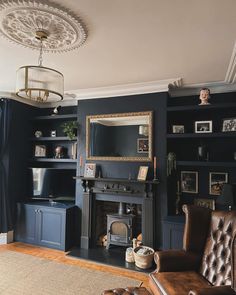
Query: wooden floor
61,257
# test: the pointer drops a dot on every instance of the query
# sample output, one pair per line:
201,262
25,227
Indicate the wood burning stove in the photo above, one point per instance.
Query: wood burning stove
120,228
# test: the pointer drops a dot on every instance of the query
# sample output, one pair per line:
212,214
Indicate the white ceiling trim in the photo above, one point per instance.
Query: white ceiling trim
126,89
194,89
230,76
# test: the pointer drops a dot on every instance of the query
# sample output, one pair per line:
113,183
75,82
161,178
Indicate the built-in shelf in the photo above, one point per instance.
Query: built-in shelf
57,138
206,163
56,117
201,107
202,135
122,180
54,160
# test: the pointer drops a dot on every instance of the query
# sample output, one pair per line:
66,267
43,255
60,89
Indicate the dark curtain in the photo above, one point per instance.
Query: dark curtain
5,203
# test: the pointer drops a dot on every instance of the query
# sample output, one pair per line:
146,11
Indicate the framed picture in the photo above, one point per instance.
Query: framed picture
207,203
203,126
40,150
142,174
189,182
229,125
90,170
178,128
216,182
142,145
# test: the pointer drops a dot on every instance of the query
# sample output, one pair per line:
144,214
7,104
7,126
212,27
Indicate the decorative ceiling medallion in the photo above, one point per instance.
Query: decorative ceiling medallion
19,20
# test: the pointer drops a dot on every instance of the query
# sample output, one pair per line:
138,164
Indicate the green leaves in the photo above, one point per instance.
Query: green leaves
70,129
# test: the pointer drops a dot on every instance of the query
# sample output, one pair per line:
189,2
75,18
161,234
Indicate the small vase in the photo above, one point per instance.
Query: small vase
202,153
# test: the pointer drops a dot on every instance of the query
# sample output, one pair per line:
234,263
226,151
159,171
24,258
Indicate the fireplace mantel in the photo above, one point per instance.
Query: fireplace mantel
117,190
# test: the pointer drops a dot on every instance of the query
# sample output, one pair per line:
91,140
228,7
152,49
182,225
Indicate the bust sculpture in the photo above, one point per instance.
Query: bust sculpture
204,96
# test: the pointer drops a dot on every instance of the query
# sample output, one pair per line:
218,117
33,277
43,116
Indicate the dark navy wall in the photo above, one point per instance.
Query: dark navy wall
19,152
155,102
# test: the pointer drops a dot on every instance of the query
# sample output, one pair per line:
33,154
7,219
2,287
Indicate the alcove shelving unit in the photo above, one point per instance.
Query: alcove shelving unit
46,124
220,146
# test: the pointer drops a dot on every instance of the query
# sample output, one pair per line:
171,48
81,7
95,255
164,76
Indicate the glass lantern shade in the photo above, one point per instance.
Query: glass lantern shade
39,84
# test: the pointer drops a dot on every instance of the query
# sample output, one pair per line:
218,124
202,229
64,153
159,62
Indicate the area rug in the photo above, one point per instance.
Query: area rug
22,274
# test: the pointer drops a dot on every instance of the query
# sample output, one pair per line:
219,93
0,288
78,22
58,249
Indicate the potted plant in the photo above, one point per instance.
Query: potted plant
70,129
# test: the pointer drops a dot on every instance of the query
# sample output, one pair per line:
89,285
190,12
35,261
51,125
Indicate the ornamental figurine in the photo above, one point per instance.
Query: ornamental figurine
204,96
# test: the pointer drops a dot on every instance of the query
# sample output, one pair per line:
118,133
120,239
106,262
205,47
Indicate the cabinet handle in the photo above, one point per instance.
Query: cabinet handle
35,210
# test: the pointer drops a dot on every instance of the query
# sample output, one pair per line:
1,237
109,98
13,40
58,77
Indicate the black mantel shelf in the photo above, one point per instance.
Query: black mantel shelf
123,180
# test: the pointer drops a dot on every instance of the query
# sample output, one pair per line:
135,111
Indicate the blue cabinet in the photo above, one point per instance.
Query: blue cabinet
46,225
173,230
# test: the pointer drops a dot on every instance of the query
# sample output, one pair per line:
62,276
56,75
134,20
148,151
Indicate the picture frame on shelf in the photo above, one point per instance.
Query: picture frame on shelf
229,125
90,170
178,129
142,173
203,127
189,182
40,151
142,145
216,182
206,203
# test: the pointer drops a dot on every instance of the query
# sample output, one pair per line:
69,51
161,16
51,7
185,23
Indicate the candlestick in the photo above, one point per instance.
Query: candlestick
80,161
155,168
80,165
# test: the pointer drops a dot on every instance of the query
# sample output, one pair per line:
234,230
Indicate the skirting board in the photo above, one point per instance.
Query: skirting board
6,238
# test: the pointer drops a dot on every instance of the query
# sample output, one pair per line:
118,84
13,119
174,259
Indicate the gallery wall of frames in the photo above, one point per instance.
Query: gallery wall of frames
201,140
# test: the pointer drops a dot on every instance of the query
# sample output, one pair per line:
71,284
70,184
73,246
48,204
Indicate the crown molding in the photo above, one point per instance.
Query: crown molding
230,76
194,89
71,97
126,89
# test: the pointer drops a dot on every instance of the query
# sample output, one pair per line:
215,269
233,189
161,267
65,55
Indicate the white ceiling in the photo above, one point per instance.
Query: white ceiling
137,41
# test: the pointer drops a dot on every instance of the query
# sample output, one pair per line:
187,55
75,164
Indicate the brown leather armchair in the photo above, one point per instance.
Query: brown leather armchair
207,263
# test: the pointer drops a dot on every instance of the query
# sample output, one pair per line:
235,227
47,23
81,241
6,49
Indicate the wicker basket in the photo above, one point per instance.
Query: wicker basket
141,260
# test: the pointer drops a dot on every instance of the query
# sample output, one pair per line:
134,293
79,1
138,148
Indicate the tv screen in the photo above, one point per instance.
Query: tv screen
52,183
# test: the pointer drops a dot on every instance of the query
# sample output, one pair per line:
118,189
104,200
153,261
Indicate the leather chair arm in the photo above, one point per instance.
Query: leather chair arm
221,290
127,291
176,260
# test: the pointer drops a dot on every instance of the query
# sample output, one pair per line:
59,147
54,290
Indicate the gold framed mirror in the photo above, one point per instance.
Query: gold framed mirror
120,137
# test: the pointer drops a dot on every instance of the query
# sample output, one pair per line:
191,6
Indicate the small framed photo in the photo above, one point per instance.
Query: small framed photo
229,125
90,170
216,182
203,126
142,174
142,145
40,150
189,182
207,203
178,128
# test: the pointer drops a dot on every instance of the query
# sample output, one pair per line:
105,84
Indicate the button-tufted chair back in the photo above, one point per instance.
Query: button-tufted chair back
219,260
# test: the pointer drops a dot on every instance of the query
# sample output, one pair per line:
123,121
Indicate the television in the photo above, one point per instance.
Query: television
51,183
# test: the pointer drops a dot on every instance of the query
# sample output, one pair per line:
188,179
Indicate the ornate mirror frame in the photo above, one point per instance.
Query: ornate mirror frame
127,159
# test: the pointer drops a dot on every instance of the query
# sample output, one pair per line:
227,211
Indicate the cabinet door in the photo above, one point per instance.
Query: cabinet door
173,235
51,228
26,223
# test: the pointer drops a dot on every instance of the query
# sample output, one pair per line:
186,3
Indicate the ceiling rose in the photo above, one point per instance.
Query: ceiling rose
19,20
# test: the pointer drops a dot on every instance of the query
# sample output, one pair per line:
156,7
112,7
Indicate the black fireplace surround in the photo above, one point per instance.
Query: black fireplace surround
121,191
